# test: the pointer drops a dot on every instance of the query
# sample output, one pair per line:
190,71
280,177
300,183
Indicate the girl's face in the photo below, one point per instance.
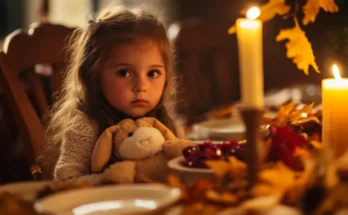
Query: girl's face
133,77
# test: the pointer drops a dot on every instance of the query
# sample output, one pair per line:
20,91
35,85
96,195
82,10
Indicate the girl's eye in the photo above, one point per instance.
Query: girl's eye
153,73
123,73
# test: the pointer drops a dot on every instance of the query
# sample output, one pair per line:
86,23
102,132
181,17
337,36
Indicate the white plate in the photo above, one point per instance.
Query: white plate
220,129
187,174
111,199
25,190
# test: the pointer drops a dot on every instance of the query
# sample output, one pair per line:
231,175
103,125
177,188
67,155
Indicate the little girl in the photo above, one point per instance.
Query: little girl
120,67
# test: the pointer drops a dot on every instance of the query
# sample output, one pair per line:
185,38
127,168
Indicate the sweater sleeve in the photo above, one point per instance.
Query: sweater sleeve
76,152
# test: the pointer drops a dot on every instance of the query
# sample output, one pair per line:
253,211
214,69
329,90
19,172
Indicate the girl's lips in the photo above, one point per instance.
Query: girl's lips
140,101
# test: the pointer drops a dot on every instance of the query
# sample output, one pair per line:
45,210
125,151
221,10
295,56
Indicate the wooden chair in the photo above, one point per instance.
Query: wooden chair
207,66
43,44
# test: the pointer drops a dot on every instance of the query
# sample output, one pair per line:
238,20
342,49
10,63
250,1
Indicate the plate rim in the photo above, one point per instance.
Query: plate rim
21,184
173,195
205,125
220,130
175,165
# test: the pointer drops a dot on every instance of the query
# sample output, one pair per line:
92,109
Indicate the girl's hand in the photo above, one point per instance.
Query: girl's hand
120,173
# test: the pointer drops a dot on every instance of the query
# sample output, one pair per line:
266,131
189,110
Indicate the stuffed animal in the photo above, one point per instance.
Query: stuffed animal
143,146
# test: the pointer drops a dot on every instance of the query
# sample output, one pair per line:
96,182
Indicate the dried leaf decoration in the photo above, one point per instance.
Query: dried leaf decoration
298,47
273,8
312,7
289,114
234,167
268,11
219,167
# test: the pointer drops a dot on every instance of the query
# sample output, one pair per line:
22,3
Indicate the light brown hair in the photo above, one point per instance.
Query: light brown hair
90,47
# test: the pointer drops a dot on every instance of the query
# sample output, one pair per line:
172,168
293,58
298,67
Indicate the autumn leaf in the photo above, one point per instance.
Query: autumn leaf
223,197
220,168
273,8
312,7
298,48
268,11
234,167
284,112
290,114
296,115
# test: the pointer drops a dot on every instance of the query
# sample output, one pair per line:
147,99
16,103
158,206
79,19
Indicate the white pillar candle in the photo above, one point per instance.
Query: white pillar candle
249,36
335,114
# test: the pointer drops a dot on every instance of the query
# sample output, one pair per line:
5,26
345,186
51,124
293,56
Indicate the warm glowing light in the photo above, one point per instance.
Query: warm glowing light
250,24
336,72
253,13
304,115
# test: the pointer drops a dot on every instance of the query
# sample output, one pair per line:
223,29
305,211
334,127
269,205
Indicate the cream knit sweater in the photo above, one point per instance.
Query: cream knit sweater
74,161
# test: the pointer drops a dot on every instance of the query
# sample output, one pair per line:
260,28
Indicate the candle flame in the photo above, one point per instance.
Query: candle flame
253,13
336,72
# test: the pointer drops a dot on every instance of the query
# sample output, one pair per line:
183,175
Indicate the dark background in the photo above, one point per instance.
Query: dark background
328,35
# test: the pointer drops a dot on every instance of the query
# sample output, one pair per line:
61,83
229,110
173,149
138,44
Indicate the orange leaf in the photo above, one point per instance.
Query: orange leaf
219,167
232,29
224,197
284,112
298,48
302,113
268,11
312,7
273,8
238,169
174,181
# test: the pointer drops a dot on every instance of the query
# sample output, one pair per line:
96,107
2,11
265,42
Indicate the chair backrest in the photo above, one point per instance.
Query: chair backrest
43,44
207,66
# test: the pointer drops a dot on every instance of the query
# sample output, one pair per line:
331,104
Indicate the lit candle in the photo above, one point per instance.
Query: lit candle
335,114
249,36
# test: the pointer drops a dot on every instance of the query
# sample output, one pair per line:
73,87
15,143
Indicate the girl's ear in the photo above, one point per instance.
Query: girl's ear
103,149
167,134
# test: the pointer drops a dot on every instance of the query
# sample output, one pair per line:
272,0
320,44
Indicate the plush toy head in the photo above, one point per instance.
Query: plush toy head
130,140
142,143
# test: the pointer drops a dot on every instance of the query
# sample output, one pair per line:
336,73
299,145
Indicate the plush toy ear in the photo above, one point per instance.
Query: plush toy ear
103,149
167,134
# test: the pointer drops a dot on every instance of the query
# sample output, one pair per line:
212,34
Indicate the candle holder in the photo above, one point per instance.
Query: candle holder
252,118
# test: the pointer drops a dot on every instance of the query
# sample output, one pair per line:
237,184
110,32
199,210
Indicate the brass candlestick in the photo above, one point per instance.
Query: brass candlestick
252,118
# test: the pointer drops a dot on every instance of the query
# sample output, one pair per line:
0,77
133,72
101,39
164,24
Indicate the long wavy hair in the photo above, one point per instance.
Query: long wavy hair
89,48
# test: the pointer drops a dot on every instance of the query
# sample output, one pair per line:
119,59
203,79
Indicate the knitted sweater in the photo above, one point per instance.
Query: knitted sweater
74,161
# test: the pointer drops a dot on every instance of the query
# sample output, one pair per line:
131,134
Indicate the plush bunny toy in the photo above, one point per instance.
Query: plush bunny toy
143,146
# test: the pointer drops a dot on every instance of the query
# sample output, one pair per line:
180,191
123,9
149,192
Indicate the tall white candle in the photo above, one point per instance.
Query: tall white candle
335,115
249,36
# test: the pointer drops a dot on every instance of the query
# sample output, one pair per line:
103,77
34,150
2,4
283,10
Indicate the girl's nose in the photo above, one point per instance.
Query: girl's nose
140,85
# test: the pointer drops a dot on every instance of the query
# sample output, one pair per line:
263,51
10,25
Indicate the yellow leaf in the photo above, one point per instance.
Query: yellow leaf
272,175
298,48
174,181
312,7
302,113
316,144
268,11
238,169
273,8
232,29
219,167
224,197
284,112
